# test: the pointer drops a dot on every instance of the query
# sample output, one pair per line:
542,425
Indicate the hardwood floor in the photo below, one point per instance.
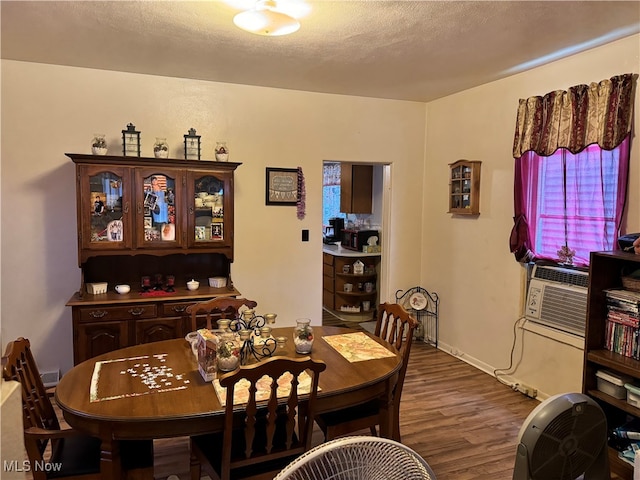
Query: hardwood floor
461,420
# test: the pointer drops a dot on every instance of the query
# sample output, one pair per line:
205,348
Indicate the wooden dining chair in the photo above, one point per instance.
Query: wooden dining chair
396,326
67,452
260,438
216,308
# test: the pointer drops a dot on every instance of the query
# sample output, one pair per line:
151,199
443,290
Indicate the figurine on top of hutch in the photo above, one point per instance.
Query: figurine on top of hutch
170,220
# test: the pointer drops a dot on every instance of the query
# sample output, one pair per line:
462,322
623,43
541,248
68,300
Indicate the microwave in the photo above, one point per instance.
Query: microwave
356,239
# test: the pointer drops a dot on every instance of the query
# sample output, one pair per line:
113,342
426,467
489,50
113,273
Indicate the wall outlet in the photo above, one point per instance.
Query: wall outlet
527,390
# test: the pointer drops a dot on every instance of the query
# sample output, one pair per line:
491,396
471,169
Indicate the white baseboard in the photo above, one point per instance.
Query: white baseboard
486,368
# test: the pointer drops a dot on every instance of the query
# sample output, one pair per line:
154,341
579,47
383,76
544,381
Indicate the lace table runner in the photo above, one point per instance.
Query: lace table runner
241,390
357,347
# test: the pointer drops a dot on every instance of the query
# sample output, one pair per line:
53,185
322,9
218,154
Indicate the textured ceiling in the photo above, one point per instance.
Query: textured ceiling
410,50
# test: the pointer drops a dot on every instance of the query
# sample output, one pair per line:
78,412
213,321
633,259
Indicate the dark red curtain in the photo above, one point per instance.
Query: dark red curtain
599,113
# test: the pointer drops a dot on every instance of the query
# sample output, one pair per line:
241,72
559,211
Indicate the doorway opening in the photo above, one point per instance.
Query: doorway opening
348,298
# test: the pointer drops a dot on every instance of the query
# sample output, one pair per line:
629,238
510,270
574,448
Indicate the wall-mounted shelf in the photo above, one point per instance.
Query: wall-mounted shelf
464,187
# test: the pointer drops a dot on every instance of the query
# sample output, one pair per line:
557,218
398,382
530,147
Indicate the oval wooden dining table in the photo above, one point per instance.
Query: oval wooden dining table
155,390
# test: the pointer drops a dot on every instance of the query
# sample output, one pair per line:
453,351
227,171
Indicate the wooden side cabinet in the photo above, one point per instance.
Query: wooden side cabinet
605,272
464,187
95,338
158,329
356,188
160,221
328,287
361,288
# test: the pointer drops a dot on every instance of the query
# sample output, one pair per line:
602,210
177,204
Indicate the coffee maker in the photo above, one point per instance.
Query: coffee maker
333,233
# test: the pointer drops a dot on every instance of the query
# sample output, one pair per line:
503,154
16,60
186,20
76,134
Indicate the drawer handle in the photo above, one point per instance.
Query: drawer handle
180,309
136,311
98,313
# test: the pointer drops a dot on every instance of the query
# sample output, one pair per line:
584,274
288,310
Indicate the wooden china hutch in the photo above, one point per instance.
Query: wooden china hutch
153,224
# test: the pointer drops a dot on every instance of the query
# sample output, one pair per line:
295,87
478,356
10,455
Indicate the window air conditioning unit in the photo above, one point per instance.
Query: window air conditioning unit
557,298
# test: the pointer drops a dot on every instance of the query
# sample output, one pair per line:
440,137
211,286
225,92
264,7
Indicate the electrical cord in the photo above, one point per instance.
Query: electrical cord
513,348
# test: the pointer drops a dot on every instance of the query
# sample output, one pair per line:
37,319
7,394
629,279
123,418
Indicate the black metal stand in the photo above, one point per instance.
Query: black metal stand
427,316
249,331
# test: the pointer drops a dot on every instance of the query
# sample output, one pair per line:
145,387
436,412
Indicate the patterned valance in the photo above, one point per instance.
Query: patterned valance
599,113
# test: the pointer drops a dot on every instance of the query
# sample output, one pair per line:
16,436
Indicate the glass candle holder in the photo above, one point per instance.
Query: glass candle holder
99,144
265,332
228,352
221,151
303,336
223,324
161,148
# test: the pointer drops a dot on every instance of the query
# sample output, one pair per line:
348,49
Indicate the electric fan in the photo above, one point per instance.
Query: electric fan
563,438
358,458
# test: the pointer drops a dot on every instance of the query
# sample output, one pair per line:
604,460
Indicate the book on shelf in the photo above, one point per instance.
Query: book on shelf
623,317
624,295
622,306
622,339
622,330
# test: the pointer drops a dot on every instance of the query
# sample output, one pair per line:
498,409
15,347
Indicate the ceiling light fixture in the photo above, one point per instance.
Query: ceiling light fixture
265,19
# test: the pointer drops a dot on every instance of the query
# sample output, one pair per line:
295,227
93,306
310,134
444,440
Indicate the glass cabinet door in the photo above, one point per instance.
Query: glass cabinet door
210,218
457,188
158,196
104,192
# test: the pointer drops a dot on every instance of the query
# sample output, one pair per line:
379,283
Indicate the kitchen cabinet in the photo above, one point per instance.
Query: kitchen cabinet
361,288
464,187
605,272
328,279
356,188
164,220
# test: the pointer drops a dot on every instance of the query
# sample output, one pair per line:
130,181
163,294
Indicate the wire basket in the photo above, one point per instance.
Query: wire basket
358,458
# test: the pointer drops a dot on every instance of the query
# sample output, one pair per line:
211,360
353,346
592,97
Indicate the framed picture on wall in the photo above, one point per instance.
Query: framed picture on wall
282,186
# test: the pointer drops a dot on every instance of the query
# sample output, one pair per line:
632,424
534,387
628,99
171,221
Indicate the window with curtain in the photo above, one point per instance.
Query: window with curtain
572,203
572,157
331,192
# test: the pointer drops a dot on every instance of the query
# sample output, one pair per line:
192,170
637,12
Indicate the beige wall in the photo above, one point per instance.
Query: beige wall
467,260
49,110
